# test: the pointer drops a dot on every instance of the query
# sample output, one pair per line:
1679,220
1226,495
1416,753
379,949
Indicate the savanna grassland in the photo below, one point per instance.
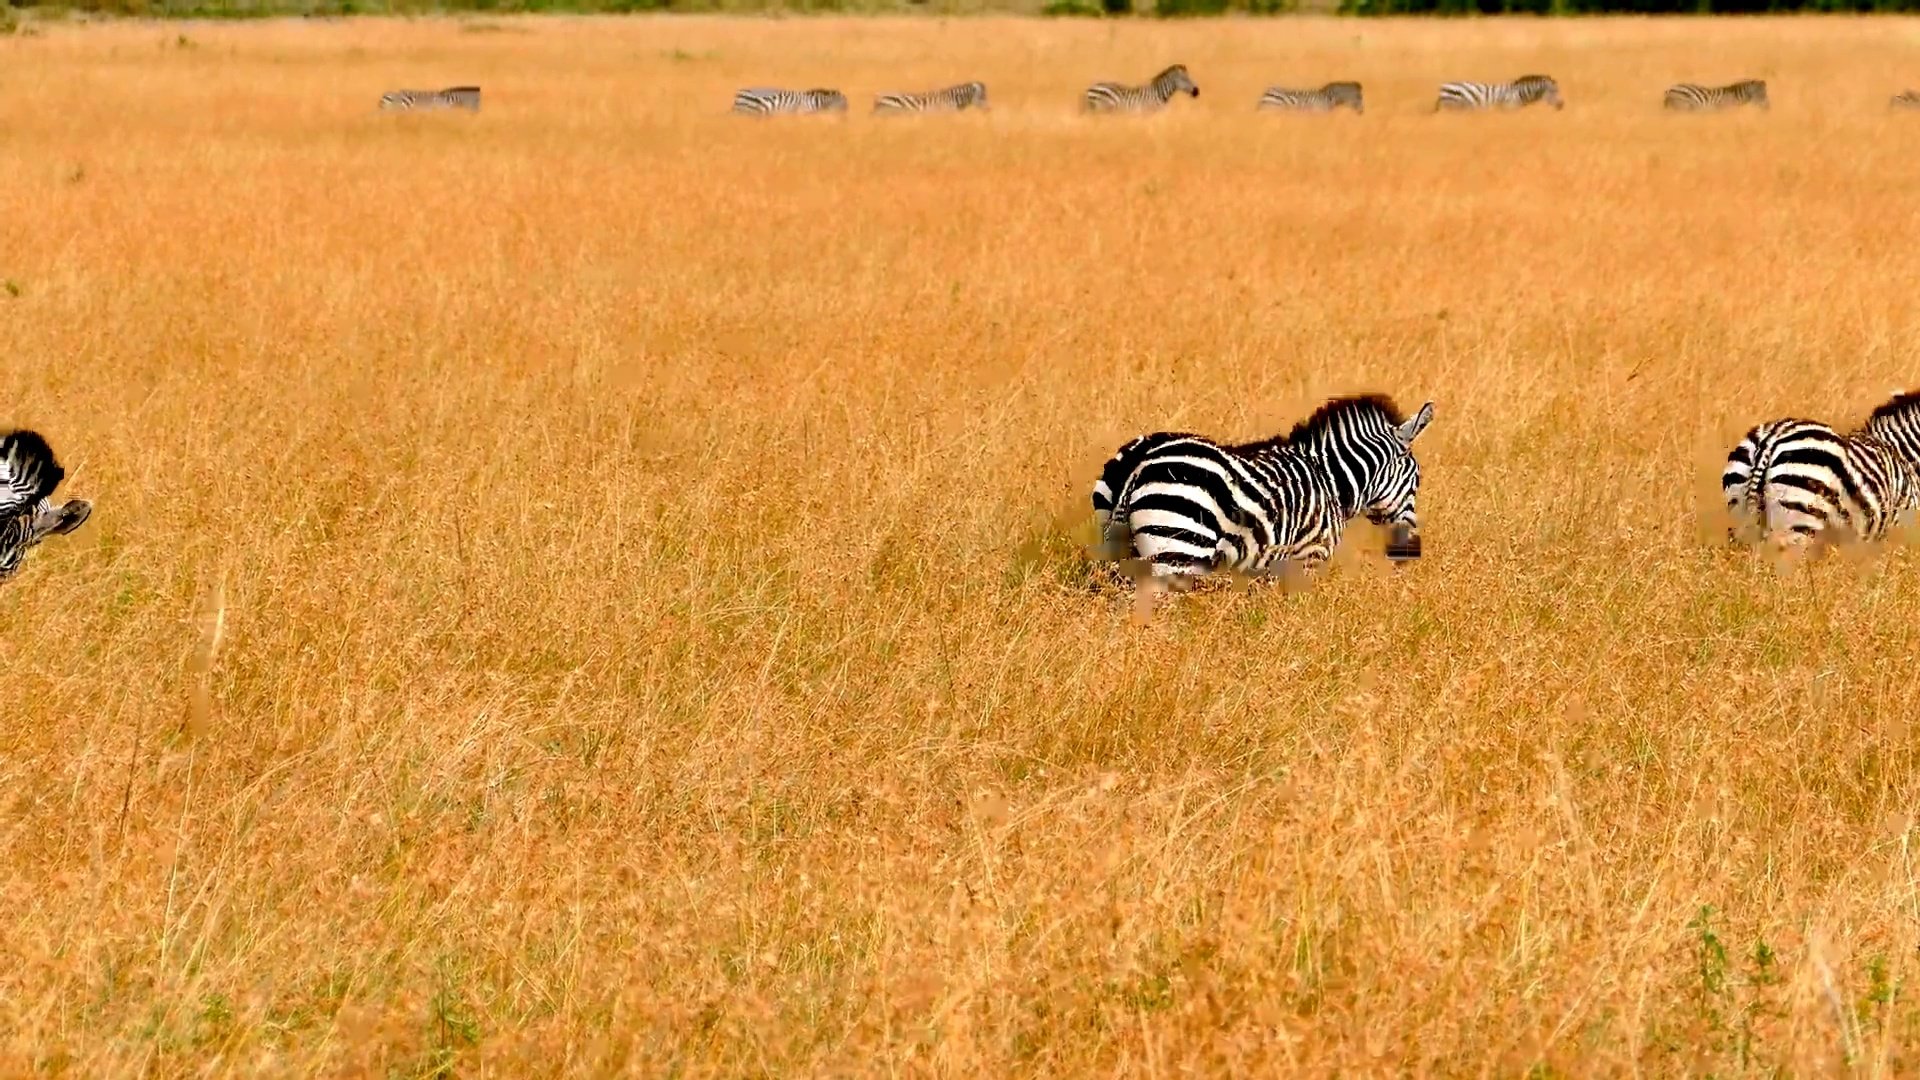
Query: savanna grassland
595,586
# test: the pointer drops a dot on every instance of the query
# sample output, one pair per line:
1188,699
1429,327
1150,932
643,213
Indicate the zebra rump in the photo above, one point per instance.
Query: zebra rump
1181,505
454,97
768,101
1689,97
971,95
29,474
1332,96
1800,481
1118,97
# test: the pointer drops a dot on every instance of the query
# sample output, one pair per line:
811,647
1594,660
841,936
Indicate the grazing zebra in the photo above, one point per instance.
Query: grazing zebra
1521,92
760,101
1792,481
1109,97
1688,97
456,97
1185,506
1906,99
971,95
1326,99
28,476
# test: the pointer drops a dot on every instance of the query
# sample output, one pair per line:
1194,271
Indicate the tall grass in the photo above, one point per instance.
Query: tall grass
593,586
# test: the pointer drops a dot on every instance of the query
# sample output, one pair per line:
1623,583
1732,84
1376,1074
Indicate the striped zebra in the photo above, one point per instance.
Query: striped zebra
1906,99
1799,482
971,95
1108,97
762,101
1326,99
1183,505
1688,97
454,97
1521,92
28,476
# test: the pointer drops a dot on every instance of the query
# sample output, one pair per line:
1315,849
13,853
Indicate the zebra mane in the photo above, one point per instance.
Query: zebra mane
1343,406
1326,414
1900,404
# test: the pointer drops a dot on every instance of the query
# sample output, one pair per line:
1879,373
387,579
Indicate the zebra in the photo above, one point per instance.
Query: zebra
1800,482
1106,97
28,476
1687,97
1905,99
1326,99
455,97
971,95
762,101
1184,505
1521,92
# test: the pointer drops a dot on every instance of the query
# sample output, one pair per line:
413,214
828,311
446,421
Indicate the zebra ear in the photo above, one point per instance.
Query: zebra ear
1412,428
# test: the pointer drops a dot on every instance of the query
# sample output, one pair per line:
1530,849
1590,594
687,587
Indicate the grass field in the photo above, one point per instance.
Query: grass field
594,586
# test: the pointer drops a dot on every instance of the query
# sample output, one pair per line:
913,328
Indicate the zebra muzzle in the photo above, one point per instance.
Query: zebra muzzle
1403,544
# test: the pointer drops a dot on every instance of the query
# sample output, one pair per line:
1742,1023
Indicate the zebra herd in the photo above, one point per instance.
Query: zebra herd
1113,97
1174,507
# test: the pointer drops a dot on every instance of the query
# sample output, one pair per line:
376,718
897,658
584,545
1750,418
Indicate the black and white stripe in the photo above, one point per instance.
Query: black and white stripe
454,97
1332,96
1521,92
1185,506
1689,97
1796,482
766,101
971,95
1905,99
28,476
1114,97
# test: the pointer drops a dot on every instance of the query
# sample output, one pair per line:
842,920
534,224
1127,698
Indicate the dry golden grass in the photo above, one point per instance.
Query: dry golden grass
592,587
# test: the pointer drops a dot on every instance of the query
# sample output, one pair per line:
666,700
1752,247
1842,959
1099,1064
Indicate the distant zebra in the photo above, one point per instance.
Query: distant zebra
28,476
456,97
1906,99
1113,97
971,95
1799,482
1184,506
762,101
1687,97
1326,99
1521,92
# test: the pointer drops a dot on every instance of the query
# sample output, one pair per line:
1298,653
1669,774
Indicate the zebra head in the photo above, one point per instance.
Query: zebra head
1752,90
28,476
1368,451
1175,80
973,95
23,531
1343,93
1534,88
